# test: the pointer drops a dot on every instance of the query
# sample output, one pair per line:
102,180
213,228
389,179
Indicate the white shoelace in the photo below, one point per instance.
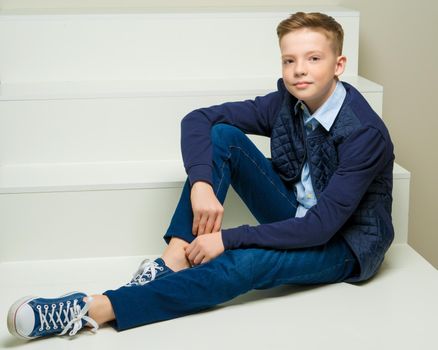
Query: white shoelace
65,316
147,268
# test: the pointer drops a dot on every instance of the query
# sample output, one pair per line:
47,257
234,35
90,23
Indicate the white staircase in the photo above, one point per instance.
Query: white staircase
90,165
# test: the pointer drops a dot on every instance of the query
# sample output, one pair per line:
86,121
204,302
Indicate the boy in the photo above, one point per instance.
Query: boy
323,202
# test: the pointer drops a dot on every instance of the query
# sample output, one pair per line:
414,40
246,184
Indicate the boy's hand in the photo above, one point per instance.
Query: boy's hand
205,248
207,210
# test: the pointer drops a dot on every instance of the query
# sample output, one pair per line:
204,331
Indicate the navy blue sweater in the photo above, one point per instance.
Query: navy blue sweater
364,155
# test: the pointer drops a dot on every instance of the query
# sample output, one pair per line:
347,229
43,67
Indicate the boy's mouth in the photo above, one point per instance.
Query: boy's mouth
301,84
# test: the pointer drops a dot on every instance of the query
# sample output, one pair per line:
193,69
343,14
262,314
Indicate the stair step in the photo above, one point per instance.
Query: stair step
68,177
398,308
77,90
40,178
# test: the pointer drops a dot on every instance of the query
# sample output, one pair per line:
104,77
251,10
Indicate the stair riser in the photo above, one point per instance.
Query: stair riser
115,223
148,46
98,130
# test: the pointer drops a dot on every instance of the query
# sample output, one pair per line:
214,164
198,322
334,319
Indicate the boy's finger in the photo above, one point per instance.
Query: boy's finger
188,249
202,223
195,226
210,224
192,256
218,223
196,260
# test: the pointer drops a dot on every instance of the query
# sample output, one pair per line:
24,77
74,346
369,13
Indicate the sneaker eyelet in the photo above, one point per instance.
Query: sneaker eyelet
46,307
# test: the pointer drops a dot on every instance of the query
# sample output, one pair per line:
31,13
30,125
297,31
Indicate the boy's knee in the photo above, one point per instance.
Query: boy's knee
224,133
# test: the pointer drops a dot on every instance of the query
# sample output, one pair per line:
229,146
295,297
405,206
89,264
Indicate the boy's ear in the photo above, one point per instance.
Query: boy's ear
341,61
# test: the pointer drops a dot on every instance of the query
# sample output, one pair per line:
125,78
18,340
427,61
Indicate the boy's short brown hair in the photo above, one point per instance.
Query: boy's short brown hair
316,21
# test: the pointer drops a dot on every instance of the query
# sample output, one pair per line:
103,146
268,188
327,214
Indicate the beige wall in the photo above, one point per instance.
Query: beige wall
398,49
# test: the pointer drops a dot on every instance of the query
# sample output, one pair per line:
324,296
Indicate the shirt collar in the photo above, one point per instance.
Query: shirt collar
326,114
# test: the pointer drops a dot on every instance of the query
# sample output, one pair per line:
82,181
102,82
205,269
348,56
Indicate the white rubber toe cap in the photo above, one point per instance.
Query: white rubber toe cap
21,319
25,320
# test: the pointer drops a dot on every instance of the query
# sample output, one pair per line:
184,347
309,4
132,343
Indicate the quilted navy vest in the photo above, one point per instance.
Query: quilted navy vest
369,231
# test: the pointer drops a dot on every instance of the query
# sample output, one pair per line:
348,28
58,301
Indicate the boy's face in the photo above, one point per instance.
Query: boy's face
310,66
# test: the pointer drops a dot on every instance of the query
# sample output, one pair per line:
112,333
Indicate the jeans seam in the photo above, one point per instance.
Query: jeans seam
258,167
222,173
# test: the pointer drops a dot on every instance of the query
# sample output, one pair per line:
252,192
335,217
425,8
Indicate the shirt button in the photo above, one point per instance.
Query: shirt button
309,196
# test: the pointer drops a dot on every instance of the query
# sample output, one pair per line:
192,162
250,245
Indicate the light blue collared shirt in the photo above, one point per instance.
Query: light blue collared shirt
324,115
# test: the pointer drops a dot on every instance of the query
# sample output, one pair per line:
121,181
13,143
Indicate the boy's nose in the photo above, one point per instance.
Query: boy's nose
300,70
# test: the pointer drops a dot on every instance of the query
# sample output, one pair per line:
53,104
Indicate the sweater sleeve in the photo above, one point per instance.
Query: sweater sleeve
251,116
361,158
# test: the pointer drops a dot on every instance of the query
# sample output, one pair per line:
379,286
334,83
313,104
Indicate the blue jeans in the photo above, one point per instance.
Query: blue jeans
238,162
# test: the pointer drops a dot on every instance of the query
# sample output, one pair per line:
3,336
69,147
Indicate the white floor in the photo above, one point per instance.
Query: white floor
398,309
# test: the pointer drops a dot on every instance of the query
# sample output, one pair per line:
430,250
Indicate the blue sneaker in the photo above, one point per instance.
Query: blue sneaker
148,271
33,317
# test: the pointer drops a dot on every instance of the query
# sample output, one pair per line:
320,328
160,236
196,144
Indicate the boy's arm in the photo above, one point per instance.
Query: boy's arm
361,157
251,116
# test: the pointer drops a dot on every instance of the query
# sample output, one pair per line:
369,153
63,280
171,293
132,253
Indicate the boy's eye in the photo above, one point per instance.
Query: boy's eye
314,58
288,61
